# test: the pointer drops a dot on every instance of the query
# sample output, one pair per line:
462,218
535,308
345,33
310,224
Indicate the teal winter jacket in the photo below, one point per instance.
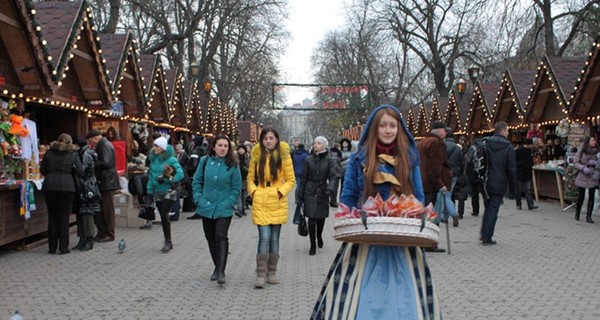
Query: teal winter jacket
216,188
157,165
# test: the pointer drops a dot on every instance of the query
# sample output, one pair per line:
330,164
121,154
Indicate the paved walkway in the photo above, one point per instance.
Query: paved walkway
545,266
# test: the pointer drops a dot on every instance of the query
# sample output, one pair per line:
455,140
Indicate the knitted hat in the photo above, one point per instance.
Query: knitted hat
161,143
323,141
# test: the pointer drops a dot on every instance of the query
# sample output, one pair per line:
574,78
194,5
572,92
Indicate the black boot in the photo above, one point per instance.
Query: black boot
590,209
80,244
88,244
213,254
577,214
312,235
222,252
320,225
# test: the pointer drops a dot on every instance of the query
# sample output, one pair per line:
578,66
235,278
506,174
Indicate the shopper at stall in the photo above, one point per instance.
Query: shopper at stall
346,149
270,179
585,162
183,158
59,165
524,159
106,173
317,187
88,199
380,282
217,187
164,175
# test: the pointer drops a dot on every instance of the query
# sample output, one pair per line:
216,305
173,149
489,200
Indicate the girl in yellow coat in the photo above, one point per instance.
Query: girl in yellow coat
270,179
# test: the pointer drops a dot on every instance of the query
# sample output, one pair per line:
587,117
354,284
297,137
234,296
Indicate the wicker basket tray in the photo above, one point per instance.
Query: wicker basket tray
387,231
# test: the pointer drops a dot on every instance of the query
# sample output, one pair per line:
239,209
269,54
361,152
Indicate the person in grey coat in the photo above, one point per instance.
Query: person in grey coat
585,162
317,186
59,166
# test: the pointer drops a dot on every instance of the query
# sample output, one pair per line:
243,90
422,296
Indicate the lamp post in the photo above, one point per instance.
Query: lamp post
461,87
473,74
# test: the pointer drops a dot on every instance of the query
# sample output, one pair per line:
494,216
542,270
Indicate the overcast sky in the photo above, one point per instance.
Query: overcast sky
308,22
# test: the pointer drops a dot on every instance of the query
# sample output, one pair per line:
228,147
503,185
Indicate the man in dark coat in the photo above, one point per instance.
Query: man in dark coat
435,170
502,173
456,161
106,173
524,161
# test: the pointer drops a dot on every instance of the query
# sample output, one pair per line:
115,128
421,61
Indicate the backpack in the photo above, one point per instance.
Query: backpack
476,162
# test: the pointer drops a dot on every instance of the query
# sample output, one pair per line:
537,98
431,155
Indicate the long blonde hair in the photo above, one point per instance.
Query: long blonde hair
402,171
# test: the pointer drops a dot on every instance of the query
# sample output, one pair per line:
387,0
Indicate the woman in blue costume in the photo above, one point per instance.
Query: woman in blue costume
377,281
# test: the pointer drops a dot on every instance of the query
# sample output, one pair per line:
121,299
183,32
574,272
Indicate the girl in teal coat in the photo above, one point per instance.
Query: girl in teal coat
163,176
216,187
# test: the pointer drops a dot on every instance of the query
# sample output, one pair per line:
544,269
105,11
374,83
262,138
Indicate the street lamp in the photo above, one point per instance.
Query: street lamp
461,86
473,74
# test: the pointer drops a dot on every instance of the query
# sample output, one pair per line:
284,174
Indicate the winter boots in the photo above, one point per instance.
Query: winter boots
312,230
272,269
88,244
261,270
222,252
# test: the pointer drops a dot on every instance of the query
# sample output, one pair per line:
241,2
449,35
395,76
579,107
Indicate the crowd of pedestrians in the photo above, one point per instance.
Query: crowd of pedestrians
217,180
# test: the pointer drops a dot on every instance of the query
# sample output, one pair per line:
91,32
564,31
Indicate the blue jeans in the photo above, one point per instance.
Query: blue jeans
176,208
268,238
490,215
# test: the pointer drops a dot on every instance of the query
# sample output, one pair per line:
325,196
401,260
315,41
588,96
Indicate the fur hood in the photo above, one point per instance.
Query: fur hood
63,147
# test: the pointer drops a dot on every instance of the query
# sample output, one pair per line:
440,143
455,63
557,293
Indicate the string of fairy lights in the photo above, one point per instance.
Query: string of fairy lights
171,101
483,114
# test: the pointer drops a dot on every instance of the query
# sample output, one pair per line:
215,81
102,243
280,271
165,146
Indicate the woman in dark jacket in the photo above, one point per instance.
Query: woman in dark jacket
59,165
88,199
317,186
585,161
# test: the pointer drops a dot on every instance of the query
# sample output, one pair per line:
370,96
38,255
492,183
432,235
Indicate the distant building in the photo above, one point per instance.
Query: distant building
294,126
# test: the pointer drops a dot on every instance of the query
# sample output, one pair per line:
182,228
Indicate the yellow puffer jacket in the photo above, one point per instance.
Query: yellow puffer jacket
267,208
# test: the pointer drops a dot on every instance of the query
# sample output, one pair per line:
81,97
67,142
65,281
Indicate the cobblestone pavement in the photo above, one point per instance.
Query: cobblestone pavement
543,267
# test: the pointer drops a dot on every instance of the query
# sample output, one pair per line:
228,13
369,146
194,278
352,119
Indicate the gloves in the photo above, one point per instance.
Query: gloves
592,162
587,170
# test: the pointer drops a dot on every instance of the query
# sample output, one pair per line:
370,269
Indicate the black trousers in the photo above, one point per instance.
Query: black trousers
475,197
59,205
215,231
164,207
581,197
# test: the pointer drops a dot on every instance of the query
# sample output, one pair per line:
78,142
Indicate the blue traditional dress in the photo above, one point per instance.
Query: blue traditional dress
377,281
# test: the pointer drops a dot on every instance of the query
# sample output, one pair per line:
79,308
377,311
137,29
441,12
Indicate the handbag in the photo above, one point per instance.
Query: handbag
302,227
147,213
89,190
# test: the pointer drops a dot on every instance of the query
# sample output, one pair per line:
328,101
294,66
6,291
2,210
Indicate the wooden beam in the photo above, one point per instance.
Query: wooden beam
10,21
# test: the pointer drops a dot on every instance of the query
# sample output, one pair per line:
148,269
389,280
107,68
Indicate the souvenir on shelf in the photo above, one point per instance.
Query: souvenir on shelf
399,220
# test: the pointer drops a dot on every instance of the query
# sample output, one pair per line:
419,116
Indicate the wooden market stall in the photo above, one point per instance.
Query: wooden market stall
127,86
438,110
156,95
71,84
457,111
510,102
548,104
194,110
423,119
176,105
23,73
479,118
409,118
585,99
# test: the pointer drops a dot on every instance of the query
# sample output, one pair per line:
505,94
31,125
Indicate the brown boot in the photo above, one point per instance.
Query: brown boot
261,270
272,269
